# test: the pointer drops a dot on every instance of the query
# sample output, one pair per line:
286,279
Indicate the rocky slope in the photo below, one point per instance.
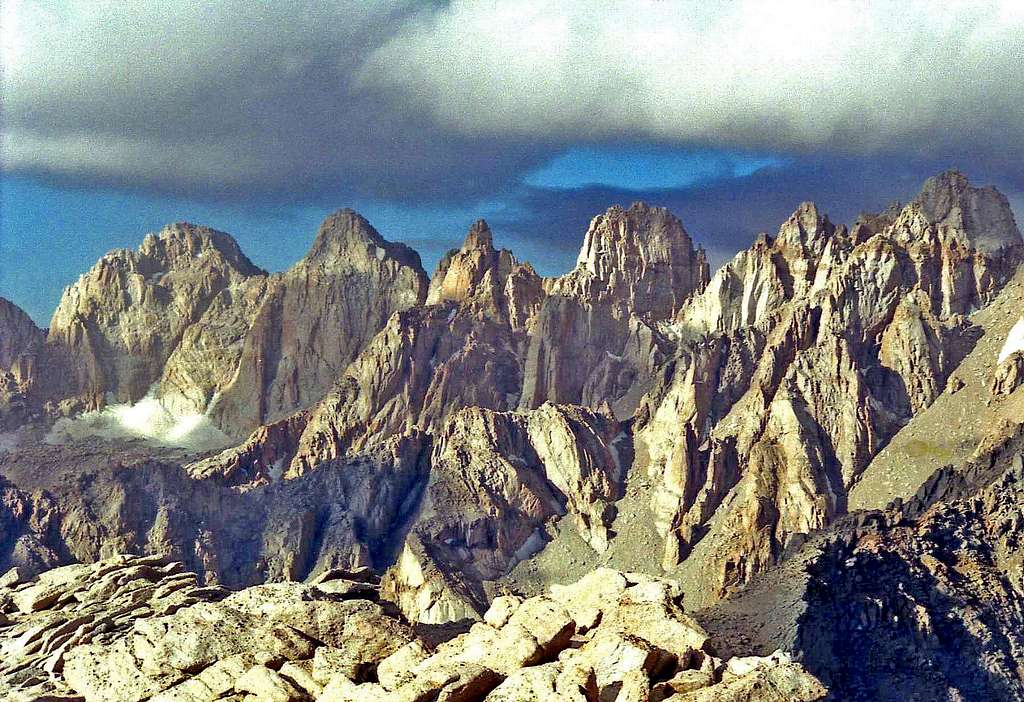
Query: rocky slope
129,628
921,601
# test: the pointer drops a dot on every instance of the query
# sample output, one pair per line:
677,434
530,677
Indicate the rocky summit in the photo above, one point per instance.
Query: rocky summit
795,478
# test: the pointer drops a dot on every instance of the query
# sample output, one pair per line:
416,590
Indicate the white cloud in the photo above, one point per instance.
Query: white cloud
857,74
148,419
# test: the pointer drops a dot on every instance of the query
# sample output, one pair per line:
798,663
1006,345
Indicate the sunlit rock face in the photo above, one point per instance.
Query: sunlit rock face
487,280
469,438
117,326
794,264
336,638
314,320
496,477
188,320
827,344
594,339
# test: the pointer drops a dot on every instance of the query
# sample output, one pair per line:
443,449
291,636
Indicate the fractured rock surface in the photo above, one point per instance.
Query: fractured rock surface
131,629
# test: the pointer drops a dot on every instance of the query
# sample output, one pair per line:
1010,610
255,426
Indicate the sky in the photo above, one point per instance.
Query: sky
260,118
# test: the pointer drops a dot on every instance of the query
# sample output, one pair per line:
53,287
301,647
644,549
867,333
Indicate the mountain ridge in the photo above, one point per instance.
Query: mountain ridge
486,431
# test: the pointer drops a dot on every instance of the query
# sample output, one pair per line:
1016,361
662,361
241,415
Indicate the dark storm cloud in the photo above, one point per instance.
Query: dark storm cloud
229,99
453,101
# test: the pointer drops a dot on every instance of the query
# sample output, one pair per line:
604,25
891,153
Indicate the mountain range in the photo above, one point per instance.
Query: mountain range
799,477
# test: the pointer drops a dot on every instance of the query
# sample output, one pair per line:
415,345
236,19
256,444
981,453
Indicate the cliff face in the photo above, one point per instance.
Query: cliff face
190,319
315,318
118,325
490,281
595,338
20,342
18,334
757,433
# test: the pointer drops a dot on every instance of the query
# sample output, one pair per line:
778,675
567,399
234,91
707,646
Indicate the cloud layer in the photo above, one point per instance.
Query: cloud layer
457,100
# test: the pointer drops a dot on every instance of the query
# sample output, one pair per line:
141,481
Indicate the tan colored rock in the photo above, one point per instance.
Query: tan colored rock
18,334
482,278
397,669
594,339
269,686
316,318
1008,375
425,365
20,343
118,325
535,684
281,622
748,290
848,337
502,607
136,628
536,461
426,593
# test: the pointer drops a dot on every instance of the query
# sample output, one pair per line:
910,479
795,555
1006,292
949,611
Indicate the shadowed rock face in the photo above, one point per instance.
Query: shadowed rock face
20,342
18,334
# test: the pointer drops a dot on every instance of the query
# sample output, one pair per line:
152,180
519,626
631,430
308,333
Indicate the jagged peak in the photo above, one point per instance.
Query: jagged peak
339,230
346,230
983,215
479,237
650,231
186,240
807,226
11,311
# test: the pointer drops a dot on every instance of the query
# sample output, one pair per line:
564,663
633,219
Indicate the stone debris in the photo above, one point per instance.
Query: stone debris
134,628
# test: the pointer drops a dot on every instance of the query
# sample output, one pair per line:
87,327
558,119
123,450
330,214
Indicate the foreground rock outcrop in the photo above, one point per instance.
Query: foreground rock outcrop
130,629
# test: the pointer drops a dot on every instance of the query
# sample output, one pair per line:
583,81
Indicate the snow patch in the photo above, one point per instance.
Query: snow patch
148,419
276,470
1014,341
